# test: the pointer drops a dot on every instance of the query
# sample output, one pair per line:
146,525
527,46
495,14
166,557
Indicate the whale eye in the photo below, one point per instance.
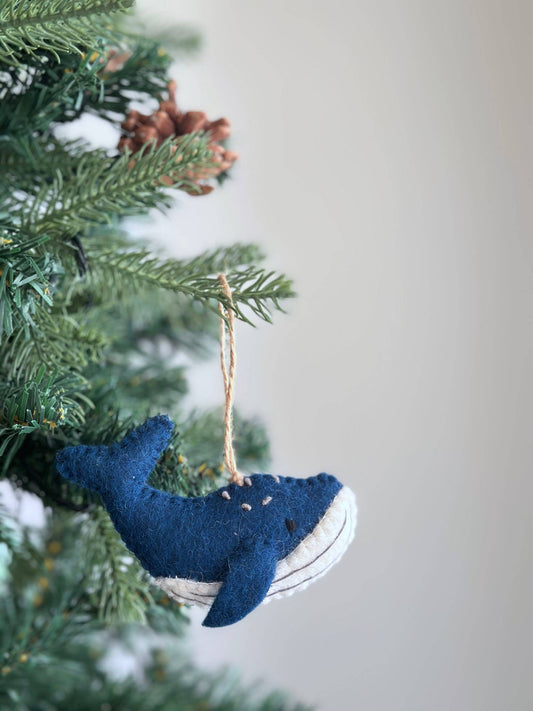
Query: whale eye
291,525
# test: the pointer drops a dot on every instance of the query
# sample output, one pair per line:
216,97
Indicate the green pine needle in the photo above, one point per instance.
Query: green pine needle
58,341
252,287
24,284
102,188
120,587
38,404
29,26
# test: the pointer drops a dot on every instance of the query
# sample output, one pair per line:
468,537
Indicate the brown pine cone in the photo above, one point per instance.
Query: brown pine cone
169,121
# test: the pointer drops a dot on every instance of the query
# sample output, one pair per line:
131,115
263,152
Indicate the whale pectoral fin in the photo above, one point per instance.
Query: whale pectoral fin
144,444
250,574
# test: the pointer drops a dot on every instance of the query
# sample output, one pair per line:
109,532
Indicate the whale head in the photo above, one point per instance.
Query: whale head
308,500
282,509
284,532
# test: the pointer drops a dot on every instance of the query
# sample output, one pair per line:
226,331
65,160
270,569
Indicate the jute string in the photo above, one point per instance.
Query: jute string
228,371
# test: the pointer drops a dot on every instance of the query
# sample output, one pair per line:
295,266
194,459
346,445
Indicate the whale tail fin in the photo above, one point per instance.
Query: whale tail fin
145,444
90,466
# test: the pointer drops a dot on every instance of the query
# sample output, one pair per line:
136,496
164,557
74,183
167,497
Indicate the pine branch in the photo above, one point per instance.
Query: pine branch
251,286
165,320
143,74
139,389
45,90
120,587
45,609
29,165
56,340
103,188
48,632
35,405
25,282
53,25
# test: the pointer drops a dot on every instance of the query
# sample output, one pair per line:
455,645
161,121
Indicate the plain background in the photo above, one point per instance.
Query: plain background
386,165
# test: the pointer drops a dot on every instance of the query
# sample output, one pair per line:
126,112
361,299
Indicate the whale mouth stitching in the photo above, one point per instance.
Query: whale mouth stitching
319,551
303,567
311,559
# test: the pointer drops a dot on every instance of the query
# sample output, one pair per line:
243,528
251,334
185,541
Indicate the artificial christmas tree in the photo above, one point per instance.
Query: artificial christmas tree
90,323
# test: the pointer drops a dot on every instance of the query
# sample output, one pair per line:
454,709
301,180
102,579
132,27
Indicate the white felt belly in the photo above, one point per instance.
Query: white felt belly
313,557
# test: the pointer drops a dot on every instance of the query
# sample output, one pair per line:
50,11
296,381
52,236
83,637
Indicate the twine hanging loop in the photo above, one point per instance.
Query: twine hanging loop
227,342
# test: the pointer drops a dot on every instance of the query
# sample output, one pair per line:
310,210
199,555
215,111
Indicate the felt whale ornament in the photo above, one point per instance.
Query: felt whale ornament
227,551
258,538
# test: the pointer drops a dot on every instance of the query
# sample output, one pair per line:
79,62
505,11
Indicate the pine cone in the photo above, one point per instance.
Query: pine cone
168,121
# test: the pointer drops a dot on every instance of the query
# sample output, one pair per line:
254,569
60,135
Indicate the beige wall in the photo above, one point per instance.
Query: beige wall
386,165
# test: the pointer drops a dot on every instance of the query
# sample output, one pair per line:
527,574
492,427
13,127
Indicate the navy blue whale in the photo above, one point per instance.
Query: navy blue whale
227,551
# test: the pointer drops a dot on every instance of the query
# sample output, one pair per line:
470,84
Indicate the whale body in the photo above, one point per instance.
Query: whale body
227,551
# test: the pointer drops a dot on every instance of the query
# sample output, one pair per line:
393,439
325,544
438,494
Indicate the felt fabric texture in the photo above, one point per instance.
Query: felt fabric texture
235,536
310,560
